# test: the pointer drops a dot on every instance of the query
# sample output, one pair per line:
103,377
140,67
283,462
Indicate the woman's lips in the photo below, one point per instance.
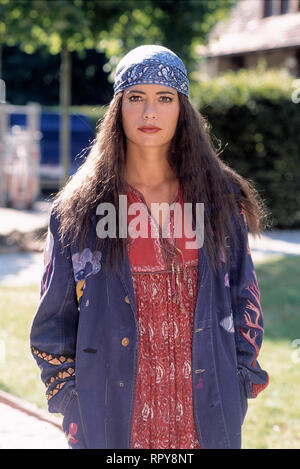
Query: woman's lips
149,130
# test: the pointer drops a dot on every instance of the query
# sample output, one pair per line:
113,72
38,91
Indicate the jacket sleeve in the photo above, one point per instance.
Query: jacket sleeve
247,315
54,327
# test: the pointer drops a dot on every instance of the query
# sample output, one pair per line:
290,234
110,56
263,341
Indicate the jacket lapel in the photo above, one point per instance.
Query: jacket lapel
126,280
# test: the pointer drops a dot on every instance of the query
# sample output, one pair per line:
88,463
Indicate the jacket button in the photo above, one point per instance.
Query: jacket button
126,299
125,341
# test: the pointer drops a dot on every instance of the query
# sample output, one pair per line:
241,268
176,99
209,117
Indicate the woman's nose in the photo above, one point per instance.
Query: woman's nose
150,112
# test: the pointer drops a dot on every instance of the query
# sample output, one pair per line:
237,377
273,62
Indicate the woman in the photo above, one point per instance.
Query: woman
151,341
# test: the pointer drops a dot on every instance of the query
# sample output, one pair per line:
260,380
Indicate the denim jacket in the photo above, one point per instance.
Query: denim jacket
84,338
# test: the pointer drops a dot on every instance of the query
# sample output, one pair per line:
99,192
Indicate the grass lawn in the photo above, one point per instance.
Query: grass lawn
19,373
273,419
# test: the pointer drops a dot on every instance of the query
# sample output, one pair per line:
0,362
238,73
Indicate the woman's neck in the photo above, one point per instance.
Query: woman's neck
148,167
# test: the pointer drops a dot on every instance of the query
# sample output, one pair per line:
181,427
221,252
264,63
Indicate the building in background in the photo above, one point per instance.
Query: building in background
255,29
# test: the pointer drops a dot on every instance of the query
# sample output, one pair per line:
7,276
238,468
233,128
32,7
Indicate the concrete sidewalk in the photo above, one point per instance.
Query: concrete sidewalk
23,426
21,431
24,221
274,244
17,267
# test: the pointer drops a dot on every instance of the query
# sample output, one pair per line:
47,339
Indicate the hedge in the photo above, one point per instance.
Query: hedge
255,125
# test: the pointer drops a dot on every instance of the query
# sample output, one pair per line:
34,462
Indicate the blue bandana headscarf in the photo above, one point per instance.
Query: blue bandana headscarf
151,64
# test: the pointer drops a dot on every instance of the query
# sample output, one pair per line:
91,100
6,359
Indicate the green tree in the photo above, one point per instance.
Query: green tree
180,25
14,24
111,26
63,26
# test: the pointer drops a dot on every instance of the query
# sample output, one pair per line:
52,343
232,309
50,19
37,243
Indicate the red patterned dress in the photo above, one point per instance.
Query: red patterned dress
164,275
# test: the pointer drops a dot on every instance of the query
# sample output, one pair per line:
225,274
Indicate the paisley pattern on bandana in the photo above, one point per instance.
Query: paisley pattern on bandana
151,71
151,64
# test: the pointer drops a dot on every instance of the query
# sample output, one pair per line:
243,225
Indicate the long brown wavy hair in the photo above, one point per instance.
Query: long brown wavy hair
204,177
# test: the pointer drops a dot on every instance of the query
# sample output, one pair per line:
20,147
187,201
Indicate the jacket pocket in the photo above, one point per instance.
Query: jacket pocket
72,424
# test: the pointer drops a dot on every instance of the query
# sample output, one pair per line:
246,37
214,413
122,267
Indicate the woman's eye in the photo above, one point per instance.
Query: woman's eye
166,99
134,98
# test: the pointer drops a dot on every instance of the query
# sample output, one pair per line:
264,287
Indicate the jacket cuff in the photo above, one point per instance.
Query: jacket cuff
59,402
252,388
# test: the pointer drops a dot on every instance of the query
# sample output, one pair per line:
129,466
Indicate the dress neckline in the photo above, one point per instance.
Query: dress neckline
175,198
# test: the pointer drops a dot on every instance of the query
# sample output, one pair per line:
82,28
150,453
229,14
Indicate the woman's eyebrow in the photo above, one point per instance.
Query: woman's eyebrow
142,92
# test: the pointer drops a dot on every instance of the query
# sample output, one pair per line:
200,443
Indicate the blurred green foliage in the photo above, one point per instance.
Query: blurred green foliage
241,87
111,26
180,25
254,120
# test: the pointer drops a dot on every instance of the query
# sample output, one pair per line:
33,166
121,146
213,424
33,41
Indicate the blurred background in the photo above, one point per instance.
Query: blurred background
57,62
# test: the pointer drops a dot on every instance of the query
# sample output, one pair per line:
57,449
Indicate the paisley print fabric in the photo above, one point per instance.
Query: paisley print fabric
151,64
165,283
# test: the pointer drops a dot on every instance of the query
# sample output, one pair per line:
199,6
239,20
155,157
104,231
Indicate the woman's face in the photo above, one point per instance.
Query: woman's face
145,106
